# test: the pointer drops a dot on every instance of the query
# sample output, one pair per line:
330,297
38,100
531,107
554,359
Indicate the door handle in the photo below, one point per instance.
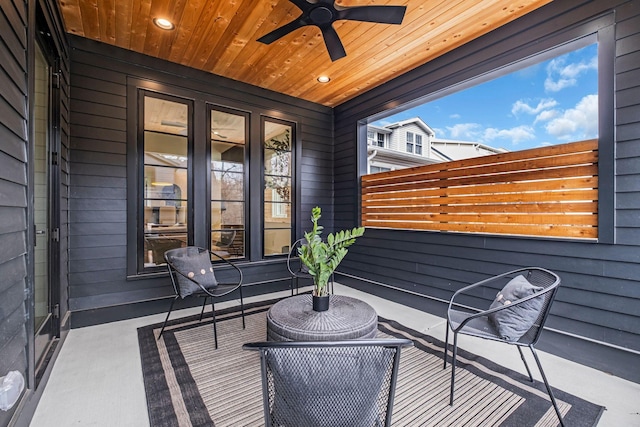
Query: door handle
41,231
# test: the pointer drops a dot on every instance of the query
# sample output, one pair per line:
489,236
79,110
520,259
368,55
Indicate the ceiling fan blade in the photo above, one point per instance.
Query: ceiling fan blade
303,5
333,43
173,124
379,14
282,31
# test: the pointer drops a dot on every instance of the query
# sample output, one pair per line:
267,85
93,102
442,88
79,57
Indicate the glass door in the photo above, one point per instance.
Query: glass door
44,198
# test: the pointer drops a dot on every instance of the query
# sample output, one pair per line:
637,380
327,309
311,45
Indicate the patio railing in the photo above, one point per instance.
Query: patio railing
550,191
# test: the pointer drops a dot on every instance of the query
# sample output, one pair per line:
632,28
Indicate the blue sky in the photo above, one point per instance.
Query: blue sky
552,102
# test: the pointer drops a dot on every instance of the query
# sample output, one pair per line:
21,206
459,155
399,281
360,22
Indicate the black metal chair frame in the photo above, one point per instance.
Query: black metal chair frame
265,347
529,339
298,273
220,290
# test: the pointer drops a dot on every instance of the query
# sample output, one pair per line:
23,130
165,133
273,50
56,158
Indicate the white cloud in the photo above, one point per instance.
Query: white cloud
546,115
576,123
522,107
515,135
454,116
561,75
440,132
465,131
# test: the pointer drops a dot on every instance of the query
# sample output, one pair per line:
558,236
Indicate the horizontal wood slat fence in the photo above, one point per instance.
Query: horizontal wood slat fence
549,191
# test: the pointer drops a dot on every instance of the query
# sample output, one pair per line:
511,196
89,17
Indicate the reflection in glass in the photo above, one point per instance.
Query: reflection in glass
228,139
277,187
41,189
166,140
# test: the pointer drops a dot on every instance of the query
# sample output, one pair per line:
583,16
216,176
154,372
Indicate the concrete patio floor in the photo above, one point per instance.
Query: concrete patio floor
97,379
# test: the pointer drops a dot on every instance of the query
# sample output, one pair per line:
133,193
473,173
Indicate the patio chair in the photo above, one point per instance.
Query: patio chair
329,383
515,317
297,269
192,274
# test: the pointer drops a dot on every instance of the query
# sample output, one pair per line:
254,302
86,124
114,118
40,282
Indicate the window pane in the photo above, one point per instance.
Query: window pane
228,138
276,242
165,190
277,194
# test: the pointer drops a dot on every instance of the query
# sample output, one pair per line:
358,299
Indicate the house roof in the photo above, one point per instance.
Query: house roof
415,120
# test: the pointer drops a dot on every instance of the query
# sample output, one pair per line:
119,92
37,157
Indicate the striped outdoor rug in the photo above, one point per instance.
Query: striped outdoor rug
189,383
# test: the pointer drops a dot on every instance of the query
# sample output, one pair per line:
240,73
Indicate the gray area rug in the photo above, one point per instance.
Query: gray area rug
189,383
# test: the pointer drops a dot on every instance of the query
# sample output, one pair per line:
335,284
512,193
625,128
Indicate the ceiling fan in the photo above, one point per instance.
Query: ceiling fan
323,13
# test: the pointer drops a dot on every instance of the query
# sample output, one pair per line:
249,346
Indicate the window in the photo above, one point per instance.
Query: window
409,142
228,141
524,164
189,164
376,169
380,139
371,137
277,155
165,189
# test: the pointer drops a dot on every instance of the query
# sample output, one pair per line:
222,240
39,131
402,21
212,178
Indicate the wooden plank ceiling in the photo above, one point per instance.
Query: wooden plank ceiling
219,36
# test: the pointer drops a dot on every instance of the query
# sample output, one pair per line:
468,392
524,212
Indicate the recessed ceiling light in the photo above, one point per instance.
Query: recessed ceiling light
165,24
324,79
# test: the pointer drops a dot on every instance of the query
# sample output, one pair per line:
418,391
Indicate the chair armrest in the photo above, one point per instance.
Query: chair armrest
235,267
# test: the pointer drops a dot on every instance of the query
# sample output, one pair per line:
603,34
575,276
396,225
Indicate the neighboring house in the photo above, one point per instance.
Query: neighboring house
412,143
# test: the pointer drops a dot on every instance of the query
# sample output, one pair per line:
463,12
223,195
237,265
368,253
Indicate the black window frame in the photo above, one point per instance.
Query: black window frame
294,170
246,169
141,94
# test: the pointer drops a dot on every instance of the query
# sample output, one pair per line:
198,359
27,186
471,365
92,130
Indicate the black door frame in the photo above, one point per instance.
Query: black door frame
43,39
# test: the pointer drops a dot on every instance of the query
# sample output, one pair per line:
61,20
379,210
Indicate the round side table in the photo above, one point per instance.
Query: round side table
293,319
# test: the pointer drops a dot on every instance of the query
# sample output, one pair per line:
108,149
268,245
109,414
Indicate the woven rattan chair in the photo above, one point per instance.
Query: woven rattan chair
192,274
329,383
516,317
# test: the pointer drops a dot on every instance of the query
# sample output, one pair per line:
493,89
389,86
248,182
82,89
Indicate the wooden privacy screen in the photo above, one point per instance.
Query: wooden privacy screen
550,191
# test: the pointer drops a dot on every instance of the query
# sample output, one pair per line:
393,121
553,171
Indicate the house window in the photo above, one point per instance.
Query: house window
371,137
409,142
165,189
376,169
380,139
419,144
228,141
277,178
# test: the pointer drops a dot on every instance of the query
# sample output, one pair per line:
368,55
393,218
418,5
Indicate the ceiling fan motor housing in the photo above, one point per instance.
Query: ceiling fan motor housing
324,13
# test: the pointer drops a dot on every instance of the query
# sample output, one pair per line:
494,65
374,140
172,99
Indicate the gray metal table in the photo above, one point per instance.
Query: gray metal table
293,319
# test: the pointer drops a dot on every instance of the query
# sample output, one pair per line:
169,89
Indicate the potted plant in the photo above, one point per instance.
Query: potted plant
322,257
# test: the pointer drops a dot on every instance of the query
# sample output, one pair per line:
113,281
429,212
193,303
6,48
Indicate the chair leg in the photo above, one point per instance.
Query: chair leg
244,326
453,367
525,363
215,329
294,281
446,345
546,383
203,305
167,318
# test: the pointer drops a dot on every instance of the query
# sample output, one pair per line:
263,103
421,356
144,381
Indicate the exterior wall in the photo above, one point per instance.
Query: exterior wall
13,188
99,287
17,29
399,138
594,319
